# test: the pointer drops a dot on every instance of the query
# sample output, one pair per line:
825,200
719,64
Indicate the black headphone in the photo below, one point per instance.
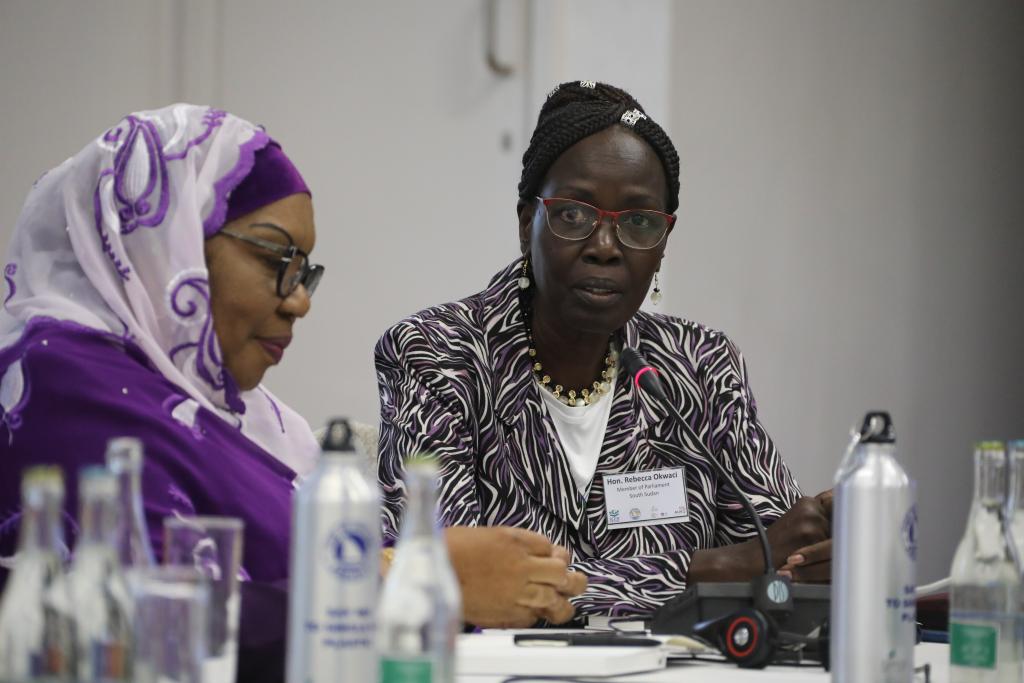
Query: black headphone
747,637
750,636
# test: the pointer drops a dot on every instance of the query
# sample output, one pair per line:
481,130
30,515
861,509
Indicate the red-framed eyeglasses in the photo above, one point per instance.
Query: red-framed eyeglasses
571,219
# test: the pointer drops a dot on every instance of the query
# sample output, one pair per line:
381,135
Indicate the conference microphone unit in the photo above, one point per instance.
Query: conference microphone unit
767,619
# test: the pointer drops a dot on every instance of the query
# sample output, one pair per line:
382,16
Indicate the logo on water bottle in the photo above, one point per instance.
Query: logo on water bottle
909,532
348,547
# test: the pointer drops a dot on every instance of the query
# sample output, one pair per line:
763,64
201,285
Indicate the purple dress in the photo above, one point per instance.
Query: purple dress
82,387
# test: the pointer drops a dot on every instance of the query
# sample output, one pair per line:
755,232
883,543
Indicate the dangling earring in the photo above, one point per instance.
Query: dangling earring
656,294
524,279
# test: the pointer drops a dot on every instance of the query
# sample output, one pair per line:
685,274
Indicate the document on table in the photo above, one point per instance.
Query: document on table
495,653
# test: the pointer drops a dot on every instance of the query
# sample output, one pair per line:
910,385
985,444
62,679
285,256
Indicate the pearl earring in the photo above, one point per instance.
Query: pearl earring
524,279
656,294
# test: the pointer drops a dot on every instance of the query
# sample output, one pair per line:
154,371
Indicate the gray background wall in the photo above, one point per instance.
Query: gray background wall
851,211
852,214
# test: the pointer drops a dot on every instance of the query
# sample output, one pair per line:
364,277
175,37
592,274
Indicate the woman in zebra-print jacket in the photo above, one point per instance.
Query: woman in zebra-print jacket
482,383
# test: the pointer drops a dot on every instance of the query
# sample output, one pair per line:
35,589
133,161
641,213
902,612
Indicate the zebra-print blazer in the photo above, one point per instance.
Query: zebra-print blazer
456,381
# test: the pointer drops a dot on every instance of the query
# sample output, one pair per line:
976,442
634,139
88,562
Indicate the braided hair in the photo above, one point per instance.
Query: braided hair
578,109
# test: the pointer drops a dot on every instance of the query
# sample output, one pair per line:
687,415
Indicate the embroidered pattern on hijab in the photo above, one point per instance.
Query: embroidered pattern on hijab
113,240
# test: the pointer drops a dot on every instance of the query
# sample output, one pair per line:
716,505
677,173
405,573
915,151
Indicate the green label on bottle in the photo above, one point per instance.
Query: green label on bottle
406,670
973,645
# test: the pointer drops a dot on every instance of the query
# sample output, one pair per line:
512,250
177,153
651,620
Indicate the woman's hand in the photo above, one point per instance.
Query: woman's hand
511,578
800,541
812,563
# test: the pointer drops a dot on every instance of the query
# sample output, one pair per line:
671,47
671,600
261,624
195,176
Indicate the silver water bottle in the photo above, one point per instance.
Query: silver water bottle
874,547
335,568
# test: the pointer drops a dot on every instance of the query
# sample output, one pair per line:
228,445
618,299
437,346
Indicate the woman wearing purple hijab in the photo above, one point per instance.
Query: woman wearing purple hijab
113,323
152,280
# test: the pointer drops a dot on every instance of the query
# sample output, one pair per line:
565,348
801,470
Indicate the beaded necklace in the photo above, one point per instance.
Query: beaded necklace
573,397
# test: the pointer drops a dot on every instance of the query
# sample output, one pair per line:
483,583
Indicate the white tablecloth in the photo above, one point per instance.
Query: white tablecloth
700,672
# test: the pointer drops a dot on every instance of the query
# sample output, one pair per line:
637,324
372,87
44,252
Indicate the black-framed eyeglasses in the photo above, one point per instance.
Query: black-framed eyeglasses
294,268
636,228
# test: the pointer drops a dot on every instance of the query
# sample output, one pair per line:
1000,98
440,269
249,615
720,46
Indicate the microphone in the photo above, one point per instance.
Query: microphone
645,376
752,623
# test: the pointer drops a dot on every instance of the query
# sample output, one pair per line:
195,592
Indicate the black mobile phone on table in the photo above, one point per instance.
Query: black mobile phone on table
582,639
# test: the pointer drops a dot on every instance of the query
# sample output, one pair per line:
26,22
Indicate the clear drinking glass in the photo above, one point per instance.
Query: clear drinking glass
213,546
170,630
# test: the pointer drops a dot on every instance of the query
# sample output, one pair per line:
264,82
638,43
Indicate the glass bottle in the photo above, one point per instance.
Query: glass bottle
1015,499
1015,524
420,613
99,591
37,631
985,582
124,458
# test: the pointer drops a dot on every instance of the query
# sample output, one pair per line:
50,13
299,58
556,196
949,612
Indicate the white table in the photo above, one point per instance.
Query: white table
712,672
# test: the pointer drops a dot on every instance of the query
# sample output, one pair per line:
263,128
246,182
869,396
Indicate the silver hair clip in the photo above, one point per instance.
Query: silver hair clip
588,84
632,116
553,91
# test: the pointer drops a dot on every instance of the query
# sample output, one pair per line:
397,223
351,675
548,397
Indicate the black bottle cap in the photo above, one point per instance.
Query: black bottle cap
337,437
877,428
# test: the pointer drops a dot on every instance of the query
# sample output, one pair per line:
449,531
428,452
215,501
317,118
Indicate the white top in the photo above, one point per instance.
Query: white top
581,431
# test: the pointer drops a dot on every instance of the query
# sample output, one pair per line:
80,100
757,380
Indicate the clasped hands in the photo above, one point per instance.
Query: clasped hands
811,561
801,542
512,578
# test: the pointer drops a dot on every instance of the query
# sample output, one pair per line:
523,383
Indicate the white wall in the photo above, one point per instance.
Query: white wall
850,211
592,40
411,147
67,70
852,215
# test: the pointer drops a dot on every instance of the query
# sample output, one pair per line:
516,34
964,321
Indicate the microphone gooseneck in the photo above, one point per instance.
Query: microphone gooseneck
645,377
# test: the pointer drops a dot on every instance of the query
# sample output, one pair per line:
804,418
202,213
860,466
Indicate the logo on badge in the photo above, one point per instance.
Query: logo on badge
347,549
613,515
634,514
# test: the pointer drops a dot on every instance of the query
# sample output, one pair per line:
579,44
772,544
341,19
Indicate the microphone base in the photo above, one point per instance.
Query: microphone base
704,602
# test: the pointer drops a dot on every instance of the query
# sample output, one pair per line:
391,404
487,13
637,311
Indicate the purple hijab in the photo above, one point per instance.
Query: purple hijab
112,240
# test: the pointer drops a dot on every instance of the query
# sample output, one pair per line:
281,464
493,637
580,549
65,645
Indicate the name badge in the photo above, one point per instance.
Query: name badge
646,498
